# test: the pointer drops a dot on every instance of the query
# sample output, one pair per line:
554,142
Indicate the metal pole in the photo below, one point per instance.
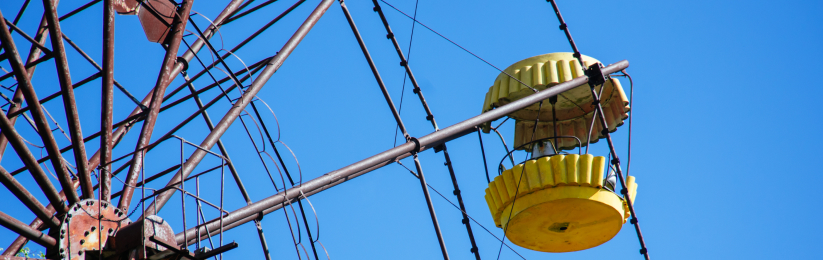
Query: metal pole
34,54
11,134
106,113
402,127
70,106
331,179
163,81
429,116
26,231
221,127
28,199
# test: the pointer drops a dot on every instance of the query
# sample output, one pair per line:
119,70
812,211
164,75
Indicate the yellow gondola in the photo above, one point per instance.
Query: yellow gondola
556,202
574,107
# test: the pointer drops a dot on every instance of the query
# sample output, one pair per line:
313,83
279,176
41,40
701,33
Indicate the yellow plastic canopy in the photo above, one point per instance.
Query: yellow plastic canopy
560,204
574,107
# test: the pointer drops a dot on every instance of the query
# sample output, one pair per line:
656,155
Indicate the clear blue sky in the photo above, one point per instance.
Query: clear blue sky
721,143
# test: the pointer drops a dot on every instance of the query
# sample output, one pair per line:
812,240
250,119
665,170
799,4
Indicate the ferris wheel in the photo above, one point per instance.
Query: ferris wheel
559,198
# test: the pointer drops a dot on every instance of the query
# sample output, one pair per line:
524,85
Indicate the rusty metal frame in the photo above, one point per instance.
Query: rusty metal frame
14,138
70,106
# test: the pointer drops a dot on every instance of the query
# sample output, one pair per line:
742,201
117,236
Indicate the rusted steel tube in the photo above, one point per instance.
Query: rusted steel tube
331,179
12,135
163,82
18,243
221,127
69,105
34,55
26,231
107,104
27,198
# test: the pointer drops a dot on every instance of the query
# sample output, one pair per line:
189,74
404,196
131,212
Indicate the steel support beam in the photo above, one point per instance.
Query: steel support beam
34,55
396,114
11,134
26,231
28,199
107,96
331,179
221,127
69,104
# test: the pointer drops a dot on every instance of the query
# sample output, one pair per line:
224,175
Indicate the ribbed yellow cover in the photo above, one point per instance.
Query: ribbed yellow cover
545,173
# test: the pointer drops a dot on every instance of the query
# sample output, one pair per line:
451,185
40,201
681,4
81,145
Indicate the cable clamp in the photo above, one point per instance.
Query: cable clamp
429,117
389,35
615,161
595,74
643,251
376,8
416,145
563,26
403,63
634,221
416,90
456,192
465,221
185,63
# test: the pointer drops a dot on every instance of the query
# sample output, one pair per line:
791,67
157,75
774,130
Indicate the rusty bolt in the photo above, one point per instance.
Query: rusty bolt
111,230
85,234
93,228
82,241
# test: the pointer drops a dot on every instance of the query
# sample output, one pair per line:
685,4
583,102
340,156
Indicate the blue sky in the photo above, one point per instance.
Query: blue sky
721,141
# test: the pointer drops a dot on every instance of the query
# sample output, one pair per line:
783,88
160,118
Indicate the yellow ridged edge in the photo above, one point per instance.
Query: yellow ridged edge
616,110
555,172
544,71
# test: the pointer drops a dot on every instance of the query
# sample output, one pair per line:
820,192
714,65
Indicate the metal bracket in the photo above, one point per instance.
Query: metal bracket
595,74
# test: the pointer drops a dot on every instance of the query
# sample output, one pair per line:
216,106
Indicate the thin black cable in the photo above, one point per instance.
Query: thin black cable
483,152
519,180
408,57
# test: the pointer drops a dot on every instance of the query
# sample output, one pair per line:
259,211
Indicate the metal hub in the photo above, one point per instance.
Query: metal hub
87,227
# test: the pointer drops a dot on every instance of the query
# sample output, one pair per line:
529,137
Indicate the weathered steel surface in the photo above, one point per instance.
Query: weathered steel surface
107,91
27,198
137,234
24,230
87,226
11,134
156,18
69,105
